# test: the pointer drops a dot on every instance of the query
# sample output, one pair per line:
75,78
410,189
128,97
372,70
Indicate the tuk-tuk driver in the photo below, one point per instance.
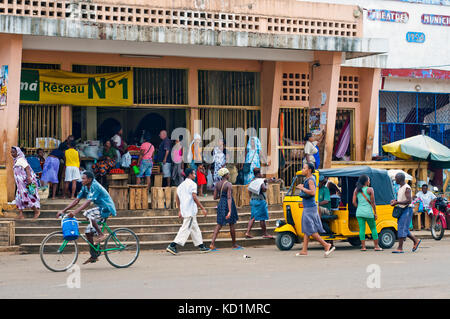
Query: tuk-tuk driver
324,197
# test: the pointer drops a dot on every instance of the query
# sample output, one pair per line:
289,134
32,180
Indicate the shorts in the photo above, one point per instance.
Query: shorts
72,174
146,168
166,168
93,214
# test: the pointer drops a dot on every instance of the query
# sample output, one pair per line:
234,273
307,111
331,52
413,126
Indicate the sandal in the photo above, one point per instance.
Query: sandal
237,248
90,260
417,246
268,236
378,249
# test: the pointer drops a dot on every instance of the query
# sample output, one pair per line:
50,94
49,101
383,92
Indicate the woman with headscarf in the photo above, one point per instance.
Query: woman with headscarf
106,162
226,209
219,158
252,158
27,195
195,151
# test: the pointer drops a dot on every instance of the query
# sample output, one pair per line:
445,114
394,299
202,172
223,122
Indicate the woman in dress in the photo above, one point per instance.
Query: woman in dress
226,209
51,170
219,158
253,158
27,195
106,162
311,223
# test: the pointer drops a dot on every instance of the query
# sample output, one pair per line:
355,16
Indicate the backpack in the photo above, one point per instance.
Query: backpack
70,228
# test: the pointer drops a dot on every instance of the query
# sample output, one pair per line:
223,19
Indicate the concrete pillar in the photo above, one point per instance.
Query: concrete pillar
10,55
193,101
271,80
369,86
324,81
66,110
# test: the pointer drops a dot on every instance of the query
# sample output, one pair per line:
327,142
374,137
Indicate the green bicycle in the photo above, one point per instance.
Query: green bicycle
121,249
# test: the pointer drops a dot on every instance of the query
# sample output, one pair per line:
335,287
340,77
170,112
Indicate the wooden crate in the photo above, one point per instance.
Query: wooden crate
244,197
138,197
157,180
120,196
7,233
417,223
158,198
167,197
117,179
174,197
235,191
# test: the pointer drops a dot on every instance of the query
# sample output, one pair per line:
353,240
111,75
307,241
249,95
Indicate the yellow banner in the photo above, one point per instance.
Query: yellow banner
68,88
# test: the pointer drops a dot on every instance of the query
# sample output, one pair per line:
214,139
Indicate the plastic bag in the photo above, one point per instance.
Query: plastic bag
126,160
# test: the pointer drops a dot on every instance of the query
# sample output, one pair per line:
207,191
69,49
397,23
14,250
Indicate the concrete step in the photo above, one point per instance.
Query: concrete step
167,233
51,213
162,245
113,221
59,204
154,228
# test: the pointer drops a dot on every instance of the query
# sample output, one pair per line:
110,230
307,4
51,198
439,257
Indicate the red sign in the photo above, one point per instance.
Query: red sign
435,19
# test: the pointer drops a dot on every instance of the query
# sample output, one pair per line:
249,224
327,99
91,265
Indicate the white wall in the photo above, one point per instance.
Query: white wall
433,53
409,85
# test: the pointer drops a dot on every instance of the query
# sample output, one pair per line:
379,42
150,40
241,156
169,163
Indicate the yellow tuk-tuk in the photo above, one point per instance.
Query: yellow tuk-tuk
342,223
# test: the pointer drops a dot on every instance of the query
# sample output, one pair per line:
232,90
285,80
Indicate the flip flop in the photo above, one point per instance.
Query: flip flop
379,249
238,248
414,249
215,249
363,249
398,252
268,236
327,253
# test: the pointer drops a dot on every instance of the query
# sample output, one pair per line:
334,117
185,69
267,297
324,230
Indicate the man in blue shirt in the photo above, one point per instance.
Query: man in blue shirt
94,193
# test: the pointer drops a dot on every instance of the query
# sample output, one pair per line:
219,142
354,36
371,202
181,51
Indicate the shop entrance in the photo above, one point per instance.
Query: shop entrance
101,123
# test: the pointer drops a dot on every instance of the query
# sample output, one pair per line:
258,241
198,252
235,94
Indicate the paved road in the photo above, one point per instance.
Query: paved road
269,273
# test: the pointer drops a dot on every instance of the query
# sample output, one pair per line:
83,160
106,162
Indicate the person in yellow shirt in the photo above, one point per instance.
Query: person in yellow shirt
72,172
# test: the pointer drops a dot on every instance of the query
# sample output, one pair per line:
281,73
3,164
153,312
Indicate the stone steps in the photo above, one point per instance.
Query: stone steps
155,228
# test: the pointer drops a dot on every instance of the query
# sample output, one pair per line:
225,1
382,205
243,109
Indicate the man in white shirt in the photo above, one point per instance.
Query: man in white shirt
426,197
187,202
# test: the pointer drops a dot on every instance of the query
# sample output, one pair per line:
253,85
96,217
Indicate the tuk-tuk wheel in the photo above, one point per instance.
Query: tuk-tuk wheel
354,241
285,240
386,238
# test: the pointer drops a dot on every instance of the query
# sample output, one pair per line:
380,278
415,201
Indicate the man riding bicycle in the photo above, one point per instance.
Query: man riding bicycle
96,194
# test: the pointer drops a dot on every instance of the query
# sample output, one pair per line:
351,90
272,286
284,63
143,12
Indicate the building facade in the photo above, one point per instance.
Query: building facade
273,64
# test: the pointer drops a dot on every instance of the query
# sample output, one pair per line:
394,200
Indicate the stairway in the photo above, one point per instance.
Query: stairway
155,228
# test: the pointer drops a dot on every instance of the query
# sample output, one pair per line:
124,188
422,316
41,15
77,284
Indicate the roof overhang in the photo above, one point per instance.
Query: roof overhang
75,29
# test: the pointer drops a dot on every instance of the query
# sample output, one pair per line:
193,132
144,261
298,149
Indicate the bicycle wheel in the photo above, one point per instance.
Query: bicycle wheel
58,254
122,248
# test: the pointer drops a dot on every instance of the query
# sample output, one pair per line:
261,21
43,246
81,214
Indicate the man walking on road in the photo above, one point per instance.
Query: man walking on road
187,202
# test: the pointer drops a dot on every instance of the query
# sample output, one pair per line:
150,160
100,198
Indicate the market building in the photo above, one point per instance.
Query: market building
266,64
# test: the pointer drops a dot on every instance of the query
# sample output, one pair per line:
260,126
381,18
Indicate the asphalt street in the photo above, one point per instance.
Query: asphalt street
268,273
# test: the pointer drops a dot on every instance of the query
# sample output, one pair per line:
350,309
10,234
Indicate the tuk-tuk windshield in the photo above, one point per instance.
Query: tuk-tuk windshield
294,191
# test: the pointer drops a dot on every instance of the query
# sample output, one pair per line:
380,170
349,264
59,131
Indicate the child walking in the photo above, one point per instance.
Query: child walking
72,173
201,178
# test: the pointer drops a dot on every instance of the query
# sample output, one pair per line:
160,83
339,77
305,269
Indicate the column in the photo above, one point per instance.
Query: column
271,79
10,55
369,86
324,82
66,110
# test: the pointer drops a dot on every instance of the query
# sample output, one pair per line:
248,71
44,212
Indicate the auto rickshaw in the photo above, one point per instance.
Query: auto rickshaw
342,223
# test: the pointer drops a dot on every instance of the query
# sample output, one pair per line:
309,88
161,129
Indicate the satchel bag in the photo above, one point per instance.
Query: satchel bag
304,195
397,212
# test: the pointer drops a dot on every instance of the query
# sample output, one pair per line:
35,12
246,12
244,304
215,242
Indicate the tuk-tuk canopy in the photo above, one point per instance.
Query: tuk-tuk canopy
379,180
